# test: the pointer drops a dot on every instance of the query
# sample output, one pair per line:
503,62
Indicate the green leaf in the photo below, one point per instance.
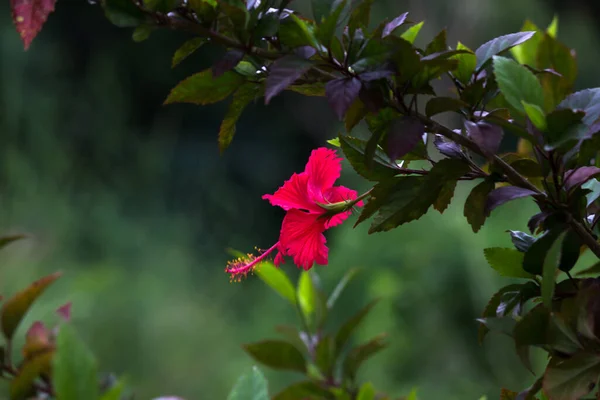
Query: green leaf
313,89
556,56
321,9
16,307
293,336
360,16
334,142
241,98
533,262
252,386
325,355
536,115
326,30
122,13
22,385
366,392
339,288
304,390
295,32
466,64
526,53
474,209
564,125
307,295
498,45
572,378
593,270
438,44
411,33
115,392
186,49
570,251
163,6
75,370
552,29
346,330
277,354
517,84
362,353
355,114
142,33
507,262
8,239
277,280
354,150
438,105
202,88
551,263
407,203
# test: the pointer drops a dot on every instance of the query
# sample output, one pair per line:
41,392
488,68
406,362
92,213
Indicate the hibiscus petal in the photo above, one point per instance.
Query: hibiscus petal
323,169
302,237
338,194
293,194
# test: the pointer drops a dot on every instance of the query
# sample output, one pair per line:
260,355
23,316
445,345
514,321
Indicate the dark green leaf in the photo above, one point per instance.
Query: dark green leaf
508,262
186,50
565,125
354,115
305,390
163,6
297,339
252,386
277,354
354,150
551,262
498,45
504,325
321,9
8,239
445,196
325,355
74,368
343,334
517,84
17,306
391,190
22,385
313,89
142,33
202,88
572,378
362,353
570,251
122,13
593,270
277,280
284,72
474,209
295,32
438,44
241,98
557,57
533,261
327,29
439,105
403,206
360,16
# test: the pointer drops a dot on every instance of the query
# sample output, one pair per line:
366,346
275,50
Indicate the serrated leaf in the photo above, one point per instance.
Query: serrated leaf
284,72
487,136
354,150
252,386
517,84
503,195
341,93
362,353
474,209
507,262
203,88
498,45
241,98
445,197
572,378
277,354
277,280
403,205
29,16
74,359
16,307
411,33
347,329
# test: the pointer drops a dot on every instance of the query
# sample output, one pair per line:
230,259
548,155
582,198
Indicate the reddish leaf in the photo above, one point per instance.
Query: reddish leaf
487,136
37,340
228,62
391,26
17,306
504,194
29,16
283,73
65,312
341,93
579,176
404,135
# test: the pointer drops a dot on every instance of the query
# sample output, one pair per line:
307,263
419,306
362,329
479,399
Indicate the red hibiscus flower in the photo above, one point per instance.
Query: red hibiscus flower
313,205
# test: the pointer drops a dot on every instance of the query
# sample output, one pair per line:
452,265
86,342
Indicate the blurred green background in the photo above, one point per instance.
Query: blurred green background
133,201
